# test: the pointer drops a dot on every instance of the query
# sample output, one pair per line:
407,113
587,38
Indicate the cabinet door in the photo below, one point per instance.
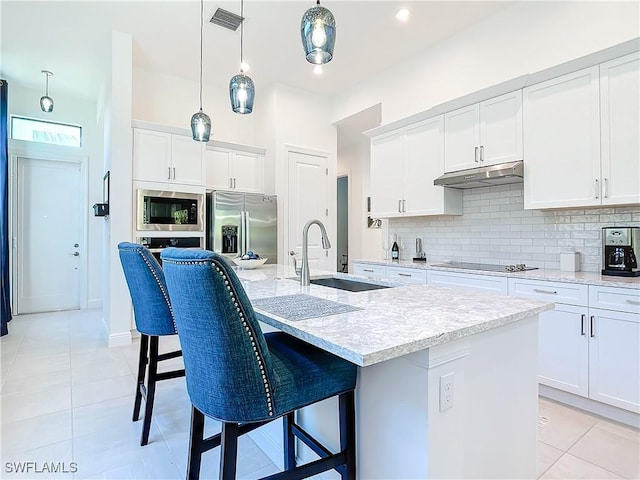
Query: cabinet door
151,156
471,281
369,270
462,138
501,129
562,141
563,349
620,105
247,172
407,275
424,145
217,161
614,358
387,159
186,160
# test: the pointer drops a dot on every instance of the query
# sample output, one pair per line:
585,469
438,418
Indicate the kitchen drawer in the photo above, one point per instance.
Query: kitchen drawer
559,292
486,283
369,270
407,275
614,298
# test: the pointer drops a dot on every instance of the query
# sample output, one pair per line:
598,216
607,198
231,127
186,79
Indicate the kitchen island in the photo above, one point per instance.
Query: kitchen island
448,381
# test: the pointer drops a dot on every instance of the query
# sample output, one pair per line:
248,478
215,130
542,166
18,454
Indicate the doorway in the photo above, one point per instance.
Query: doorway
342,237
48,228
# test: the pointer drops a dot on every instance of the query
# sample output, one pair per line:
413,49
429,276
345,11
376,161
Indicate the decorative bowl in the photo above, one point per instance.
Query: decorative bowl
249,264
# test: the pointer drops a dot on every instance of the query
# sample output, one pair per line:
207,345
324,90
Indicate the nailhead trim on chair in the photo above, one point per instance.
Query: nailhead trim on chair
162,289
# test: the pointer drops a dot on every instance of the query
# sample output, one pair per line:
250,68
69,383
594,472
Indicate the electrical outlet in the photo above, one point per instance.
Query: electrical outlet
446,391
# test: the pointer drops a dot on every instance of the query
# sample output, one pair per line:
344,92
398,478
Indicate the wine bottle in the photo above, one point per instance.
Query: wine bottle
395,251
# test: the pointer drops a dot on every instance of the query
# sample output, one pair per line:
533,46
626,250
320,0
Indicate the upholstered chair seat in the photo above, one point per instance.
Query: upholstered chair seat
243,378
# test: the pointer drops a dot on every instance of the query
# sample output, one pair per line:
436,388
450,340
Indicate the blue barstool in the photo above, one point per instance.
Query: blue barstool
245,379
154,318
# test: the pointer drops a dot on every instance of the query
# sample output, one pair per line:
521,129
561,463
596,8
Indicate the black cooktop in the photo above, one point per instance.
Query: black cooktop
486,267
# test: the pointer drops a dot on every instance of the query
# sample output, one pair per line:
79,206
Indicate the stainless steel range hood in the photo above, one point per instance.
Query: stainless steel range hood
500,174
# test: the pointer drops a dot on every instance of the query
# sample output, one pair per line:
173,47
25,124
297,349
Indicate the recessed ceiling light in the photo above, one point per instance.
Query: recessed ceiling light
403,14
317,69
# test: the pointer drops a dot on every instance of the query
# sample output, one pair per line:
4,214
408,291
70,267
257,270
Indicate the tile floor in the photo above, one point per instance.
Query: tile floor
66,397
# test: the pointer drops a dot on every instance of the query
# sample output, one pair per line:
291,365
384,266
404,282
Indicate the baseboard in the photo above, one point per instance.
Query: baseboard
95,303
602,409
119,339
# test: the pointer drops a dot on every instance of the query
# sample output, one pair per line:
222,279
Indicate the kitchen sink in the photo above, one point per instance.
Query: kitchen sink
347,284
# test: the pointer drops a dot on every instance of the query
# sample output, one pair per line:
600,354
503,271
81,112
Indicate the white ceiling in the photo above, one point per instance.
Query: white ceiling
71,38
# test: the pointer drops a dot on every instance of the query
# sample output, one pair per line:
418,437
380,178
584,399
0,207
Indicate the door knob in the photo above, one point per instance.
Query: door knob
76,254
76,245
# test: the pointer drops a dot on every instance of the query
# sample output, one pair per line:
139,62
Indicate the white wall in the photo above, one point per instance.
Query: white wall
525,38
169,100
26,102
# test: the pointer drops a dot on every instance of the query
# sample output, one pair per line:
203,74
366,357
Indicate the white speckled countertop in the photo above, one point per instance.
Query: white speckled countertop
586,278
393,322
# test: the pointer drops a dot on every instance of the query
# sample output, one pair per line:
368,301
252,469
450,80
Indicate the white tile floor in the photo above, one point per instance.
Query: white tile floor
66,397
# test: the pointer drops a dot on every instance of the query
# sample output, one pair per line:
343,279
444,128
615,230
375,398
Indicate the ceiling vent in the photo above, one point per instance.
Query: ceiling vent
226,19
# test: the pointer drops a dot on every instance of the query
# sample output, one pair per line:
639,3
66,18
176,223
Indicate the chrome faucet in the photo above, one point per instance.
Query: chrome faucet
304,276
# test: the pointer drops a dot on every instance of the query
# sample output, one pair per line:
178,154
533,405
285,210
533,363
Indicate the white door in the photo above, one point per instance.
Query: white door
49,233
308,199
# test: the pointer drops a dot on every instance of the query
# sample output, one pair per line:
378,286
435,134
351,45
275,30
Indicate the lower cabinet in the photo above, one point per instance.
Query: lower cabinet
486,283
389,272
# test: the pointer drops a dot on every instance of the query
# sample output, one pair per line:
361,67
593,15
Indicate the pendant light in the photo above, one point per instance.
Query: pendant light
46,102
200,121
318,31
241,88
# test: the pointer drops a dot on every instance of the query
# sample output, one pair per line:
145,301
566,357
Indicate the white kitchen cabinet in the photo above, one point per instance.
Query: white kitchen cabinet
369,270
472,281
404,164
562,141
620,111
485,133
585,350
407,275
166,157
229,169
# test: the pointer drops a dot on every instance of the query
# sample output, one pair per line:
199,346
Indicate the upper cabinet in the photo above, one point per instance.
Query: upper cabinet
620,124
581,137
485,133
231,169
404,164
166,157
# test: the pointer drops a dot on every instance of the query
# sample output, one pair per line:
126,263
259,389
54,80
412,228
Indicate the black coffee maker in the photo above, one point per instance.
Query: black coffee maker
619,246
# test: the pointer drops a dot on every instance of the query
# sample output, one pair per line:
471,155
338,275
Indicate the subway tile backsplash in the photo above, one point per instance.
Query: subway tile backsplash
495,228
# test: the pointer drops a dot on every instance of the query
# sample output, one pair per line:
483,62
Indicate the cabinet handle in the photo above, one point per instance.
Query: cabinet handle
169,176
606,188
230,182
404,206
481,153
475,158
174,173
367,270
399,206
583,317
548,292
633,302
597,188
592,324
234,183
404,274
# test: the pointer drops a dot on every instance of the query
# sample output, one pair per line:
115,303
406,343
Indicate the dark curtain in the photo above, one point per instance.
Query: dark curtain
5,305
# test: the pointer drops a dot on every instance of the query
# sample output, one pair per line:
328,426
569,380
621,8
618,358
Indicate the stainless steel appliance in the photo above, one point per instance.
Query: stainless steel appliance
619,247
157,244
500,174
242,222
486,267
170,211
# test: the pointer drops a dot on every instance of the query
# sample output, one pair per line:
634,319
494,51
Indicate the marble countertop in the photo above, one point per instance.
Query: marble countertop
587,278
392,322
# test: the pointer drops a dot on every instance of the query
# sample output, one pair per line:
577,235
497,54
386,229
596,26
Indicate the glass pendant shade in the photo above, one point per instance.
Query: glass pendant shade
46,103
242,93
200,126
318,31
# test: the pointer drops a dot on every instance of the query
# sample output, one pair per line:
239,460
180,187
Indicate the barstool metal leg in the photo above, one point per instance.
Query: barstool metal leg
229,451
142,368
151,389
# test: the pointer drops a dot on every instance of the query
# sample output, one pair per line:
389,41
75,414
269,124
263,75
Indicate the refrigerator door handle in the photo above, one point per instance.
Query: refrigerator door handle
242,234
247,232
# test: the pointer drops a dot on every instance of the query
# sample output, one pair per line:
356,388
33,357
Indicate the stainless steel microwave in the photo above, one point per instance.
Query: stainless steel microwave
170,211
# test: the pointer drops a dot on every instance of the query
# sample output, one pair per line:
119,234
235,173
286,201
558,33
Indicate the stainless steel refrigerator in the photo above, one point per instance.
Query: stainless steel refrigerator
242,222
